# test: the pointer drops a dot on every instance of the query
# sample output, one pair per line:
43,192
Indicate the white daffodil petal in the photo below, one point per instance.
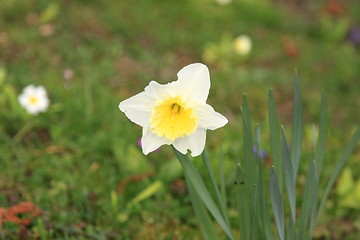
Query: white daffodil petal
193,82
137,108
150,142
208,118
194,142
159,91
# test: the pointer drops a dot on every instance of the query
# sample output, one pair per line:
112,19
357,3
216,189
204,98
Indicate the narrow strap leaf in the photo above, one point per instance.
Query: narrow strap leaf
222,178
291,230
277,204
297,127
309,200
254,210
289,176
323,131
313,217
261,201
248,147
242,204
275,140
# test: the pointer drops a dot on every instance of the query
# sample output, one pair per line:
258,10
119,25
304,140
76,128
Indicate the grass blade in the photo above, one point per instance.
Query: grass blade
297,127
222,182
242,204
291,230
340,164
253,232
277,204
199,186
314,194
275,141
147,193
309,200
289,176
221,201
313,216
323,131
261,201
205,222
249,166
248,147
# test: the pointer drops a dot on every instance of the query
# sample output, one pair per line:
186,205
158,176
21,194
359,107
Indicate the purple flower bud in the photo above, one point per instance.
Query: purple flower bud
139,143
354,36
263,154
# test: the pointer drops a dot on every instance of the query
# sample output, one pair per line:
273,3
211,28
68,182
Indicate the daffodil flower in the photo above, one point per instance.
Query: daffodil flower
175,113
34,99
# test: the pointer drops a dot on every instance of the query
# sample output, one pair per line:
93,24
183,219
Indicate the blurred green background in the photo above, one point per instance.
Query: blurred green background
80,162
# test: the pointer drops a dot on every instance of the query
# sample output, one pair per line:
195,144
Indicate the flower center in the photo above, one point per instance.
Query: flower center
171,118
33,100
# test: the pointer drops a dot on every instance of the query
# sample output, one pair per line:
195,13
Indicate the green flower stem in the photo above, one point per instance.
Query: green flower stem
199,186
205,223
23,131
221,201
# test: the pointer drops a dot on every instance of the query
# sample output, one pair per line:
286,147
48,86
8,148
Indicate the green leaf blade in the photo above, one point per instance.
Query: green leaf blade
242,204
291,230
277,204
309,201
297,127
250,165
261,201
222,182
323,132
289,176
275,140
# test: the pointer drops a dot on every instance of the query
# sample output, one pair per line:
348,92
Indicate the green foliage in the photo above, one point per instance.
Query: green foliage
277,204
348,190
72,160
252,202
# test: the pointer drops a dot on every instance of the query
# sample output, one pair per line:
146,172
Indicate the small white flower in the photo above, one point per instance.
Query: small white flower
175,113
34,99
242,45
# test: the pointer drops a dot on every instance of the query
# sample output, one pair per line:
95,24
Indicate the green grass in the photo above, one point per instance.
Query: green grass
77,153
